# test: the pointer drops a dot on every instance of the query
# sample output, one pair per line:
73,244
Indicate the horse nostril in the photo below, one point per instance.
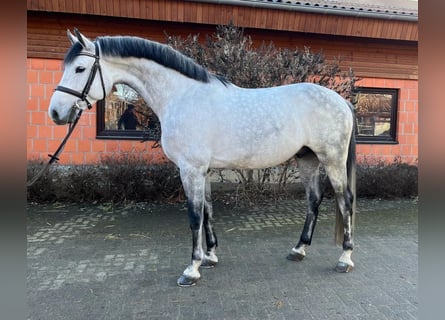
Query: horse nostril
54,115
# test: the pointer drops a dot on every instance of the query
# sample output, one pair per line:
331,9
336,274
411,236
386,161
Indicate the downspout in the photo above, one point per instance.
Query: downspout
325,9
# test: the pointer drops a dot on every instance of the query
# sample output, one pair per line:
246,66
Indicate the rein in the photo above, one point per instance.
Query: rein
55,156
83,97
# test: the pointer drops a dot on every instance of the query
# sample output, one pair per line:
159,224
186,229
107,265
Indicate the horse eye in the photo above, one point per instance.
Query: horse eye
80,69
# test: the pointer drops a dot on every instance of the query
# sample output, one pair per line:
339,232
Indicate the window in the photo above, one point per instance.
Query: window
123,114
376,114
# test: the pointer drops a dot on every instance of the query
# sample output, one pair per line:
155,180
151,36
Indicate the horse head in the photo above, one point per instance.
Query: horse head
82,82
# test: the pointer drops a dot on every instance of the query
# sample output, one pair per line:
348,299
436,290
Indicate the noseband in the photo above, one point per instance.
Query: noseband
83,97
96,66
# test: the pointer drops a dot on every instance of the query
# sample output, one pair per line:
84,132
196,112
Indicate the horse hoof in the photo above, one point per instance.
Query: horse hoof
295,256
208,264
184,281
343,267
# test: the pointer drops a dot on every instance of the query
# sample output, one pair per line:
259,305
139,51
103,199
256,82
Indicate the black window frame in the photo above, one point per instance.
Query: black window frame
102,133
379,139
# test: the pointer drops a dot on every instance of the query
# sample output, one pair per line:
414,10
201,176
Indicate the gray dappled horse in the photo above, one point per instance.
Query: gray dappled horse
208,122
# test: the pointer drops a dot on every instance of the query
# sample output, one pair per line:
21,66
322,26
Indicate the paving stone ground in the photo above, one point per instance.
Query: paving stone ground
99,262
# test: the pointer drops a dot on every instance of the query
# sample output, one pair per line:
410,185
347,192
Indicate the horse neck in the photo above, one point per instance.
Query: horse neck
156,84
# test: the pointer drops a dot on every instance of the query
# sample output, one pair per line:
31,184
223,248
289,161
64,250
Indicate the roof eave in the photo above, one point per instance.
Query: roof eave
328,10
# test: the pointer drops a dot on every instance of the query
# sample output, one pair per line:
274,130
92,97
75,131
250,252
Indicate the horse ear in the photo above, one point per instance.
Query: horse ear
72,39
84,41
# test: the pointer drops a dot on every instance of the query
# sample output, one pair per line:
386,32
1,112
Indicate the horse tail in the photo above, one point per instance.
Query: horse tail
351,176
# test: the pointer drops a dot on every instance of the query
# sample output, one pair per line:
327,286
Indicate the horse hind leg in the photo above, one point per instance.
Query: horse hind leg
309,167
210,259
344,229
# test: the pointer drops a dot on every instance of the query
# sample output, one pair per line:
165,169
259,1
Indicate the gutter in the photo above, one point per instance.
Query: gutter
320,9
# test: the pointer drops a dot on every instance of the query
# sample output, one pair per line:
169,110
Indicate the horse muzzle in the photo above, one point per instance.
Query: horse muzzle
70,116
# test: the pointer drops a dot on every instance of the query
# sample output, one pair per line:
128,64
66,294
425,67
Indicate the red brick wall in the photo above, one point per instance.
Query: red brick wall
407,123
43,137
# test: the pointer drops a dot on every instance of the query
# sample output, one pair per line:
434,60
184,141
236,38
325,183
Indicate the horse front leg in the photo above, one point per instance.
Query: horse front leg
193,181
309,167
210,259
314,198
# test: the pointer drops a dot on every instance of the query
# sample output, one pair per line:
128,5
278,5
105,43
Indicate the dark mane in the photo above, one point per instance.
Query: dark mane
72,53
127,46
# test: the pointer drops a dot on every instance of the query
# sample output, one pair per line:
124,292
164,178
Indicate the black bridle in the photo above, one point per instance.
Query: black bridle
83,97
96,66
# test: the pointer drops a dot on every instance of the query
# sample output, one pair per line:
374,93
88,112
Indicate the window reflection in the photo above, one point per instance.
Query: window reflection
376,111
124,114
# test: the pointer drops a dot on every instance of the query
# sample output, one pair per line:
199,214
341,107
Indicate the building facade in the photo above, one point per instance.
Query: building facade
378,41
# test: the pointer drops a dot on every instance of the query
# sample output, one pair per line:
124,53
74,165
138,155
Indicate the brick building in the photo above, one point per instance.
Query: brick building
377,39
